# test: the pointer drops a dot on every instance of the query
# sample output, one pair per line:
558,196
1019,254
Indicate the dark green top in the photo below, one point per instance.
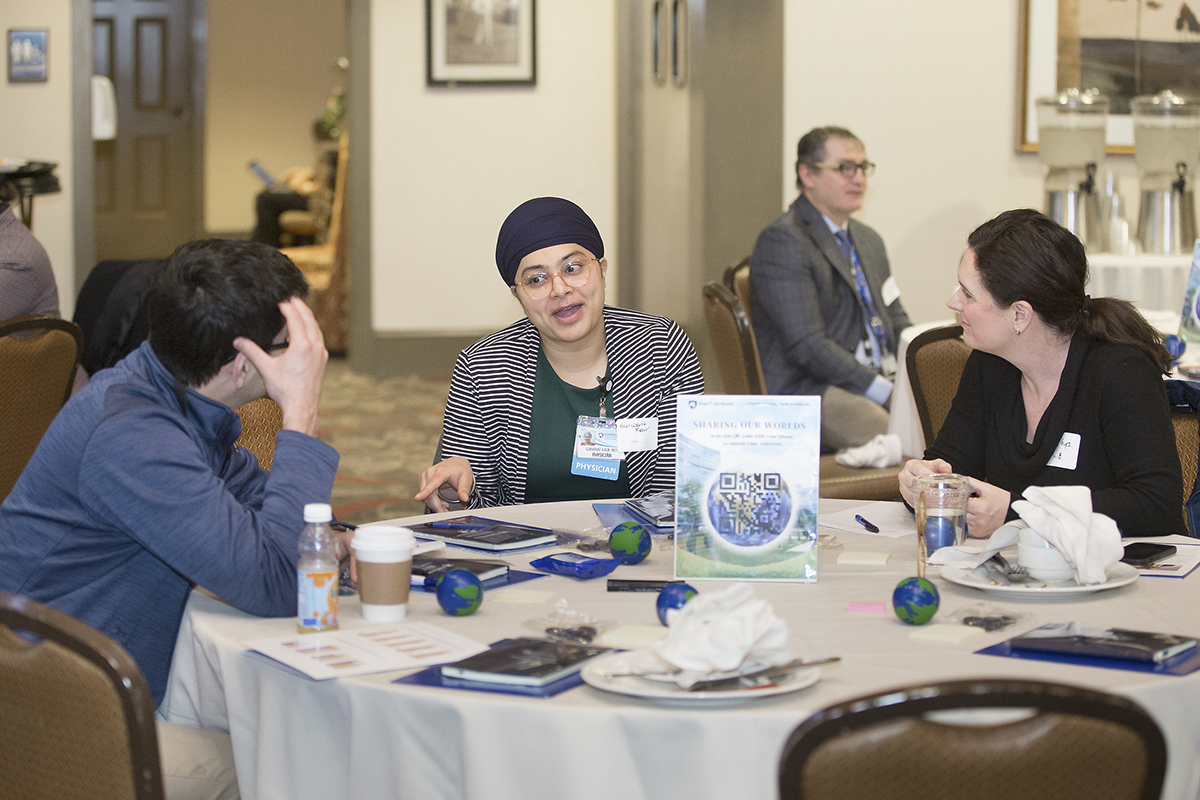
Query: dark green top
557,406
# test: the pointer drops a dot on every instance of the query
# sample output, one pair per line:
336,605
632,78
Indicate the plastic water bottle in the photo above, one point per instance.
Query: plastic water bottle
317,572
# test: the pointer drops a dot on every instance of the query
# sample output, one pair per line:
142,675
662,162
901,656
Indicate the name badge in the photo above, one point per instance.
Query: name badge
889,292
597,454
1067,454
639,433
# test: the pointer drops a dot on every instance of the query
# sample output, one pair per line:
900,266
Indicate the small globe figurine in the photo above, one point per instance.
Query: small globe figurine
459,592
915,600
673,595
629,543
1176,347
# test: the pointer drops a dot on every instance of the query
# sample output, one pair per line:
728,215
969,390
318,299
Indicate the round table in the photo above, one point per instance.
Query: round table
367,737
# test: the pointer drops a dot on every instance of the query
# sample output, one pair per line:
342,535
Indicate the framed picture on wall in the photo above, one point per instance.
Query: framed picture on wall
27,54
471,42
1124,49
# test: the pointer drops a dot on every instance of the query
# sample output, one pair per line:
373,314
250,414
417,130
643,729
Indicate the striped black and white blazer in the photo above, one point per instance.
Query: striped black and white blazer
650,360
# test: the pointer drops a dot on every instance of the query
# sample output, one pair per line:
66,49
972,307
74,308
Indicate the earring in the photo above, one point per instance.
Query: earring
1018,330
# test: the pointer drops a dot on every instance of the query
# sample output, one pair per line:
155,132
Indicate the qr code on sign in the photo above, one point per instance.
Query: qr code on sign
749,508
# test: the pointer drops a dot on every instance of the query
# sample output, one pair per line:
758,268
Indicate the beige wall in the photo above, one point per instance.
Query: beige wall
449,164
35,122
931,88
268,76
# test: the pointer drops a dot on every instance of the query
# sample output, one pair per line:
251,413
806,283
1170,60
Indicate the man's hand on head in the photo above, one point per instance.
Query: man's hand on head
293,378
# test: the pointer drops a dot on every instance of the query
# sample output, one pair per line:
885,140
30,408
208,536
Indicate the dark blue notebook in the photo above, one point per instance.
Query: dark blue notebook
432,676
1182,664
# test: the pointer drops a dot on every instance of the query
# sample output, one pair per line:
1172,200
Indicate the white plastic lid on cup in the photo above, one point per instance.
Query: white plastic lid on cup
383,544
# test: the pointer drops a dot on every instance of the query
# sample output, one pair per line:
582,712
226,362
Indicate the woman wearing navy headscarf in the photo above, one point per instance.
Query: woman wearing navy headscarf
577,400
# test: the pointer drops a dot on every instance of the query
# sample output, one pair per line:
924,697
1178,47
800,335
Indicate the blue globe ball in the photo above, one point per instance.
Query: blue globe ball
459,592
629,543
915,600
1175,347
673,595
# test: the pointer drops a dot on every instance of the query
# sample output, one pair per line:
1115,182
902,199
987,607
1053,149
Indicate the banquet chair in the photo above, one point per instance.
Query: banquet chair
733,340
1184,399
737,280
261,420
935,362
1187,441
1021,739
76,716
38,354
741,371
325,266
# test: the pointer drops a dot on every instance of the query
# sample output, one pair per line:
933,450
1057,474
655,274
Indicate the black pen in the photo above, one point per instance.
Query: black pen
866,523
634,585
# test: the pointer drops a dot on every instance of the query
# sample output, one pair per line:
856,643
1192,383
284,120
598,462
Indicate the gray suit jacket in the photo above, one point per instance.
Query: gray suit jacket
806,310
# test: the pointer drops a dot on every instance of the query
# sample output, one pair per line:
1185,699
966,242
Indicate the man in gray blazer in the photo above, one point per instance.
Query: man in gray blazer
825,307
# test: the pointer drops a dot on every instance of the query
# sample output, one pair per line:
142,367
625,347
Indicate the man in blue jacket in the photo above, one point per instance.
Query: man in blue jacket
136,493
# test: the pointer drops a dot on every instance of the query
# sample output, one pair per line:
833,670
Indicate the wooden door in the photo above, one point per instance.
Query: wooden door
148,187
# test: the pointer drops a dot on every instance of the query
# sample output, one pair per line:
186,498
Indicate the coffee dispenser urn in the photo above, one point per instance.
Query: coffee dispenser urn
1166,148
1071,129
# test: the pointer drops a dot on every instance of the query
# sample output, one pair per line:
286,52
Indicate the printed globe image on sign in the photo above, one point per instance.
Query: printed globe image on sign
748,509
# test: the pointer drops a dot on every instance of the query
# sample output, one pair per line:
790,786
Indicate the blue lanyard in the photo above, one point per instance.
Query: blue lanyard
871,318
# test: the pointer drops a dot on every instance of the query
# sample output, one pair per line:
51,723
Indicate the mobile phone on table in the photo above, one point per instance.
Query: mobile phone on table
1143,554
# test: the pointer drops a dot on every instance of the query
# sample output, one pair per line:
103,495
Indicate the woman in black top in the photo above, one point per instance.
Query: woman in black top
1061,389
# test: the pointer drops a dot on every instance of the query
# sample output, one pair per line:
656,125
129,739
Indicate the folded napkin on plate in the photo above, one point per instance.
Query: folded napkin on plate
1063,516
882,451
718,632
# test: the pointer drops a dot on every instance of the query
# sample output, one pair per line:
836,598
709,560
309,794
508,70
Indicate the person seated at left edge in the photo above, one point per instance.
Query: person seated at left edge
523,401
137,493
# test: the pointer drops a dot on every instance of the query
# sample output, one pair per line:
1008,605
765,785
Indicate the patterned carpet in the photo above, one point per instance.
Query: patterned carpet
386,432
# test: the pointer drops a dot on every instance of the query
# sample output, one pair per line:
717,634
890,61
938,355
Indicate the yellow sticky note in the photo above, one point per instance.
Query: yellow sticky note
948,633
519,596
863,557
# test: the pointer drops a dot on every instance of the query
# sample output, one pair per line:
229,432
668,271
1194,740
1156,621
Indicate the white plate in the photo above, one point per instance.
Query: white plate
594,674
1118,575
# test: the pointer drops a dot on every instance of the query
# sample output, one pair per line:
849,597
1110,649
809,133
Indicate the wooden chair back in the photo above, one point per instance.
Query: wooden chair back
261,420
733,341
1187,441
935,362
325,266
1058,741
76,715
737,280
38,354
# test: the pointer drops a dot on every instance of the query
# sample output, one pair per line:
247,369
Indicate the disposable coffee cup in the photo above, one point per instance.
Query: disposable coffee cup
384,556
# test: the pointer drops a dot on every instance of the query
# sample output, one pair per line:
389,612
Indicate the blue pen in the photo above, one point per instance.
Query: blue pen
866,523
459,526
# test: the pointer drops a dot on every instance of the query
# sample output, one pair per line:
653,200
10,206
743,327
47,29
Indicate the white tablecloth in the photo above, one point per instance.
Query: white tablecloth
368,738
1148,281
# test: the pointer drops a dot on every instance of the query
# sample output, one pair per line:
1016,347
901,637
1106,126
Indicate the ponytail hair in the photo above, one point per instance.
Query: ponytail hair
1024,255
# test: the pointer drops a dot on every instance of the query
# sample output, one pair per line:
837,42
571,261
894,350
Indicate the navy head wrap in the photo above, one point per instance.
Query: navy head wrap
543,222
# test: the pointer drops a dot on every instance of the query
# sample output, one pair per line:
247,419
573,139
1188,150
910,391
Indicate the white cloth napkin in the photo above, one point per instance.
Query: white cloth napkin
882,451
718,632
1063,516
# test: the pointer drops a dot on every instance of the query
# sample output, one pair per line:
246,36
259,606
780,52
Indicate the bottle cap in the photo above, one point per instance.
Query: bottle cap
317,512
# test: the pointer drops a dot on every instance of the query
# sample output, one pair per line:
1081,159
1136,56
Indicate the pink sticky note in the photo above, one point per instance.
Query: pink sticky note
866,607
